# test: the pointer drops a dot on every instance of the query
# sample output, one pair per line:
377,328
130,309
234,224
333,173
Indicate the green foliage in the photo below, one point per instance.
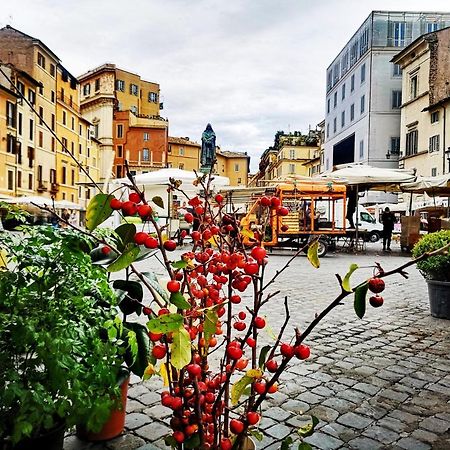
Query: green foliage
359,303
59,334
436,267
98,210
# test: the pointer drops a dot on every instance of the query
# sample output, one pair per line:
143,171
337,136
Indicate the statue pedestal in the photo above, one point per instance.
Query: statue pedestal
207,169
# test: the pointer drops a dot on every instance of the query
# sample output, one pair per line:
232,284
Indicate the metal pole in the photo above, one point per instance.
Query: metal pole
357,216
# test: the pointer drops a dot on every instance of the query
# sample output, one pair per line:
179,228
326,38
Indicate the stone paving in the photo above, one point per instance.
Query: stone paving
378,383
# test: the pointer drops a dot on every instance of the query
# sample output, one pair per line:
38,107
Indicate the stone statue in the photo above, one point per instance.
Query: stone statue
208,153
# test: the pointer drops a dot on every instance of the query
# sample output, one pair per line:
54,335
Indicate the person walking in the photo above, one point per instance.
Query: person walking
388,219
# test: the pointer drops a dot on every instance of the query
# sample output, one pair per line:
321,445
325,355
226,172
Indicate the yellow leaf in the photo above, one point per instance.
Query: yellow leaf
238,389
313,257
346,280
213,241
247,233
149,371
180,348
3,259
164,374
254,373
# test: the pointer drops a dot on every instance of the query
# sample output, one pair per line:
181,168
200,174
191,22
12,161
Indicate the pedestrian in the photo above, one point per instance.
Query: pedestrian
388,219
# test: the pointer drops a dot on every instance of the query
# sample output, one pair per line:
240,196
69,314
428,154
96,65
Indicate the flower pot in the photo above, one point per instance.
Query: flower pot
50,440
439,295
248,444
114,425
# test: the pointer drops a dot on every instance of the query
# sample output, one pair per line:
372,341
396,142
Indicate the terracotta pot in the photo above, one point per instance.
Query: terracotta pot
50,440
114,425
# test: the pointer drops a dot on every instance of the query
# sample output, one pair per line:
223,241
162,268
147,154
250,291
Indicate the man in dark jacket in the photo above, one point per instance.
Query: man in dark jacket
388,219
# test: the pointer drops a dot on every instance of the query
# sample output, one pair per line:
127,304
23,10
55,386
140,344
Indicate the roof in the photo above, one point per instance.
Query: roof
107,67
228,154
182,141
35,41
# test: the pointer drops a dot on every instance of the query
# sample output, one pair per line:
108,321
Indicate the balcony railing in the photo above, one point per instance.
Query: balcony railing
156,164
42,186
69,102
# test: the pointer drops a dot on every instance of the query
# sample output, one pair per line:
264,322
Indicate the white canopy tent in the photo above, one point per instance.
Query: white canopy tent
433,186
30,200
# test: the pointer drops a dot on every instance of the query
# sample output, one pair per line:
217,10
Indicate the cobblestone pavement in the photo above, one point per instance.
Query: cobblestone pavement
378,383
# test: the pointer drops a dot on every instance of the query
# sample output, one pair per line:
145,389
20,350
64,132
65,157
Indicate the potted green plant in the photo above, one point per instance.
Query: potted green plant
436,271
59,336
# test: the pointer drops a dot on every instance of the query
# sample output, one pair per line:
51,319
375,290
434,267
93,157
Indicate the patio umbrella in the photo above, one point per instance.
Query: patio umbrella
65,204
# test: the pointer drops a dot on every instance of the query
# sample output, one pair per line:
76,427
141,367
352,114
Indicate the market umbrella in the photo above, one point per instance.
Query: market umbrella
433,186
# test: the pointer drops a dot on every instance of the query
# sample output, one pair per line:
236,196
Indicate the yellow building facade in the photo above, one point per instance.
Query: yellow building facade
183,154
234,165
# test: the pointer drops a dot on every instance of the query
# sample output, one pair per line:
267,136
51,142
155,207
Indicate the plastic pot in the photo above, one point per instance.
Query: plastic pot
439,296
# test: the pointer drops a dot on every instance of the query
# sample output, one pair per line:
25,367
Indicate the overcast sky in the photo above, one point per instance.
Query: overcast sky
250,67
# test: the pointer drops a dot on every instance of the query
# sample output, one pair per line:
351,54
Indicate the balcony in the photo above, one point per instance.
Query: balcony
69,102
42,186
148,164
54,188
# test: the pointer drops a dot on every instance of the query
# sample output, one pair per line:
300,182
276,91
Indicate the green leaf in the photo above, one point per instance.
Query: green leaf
98,210
308,429
126,232
263,355
286,444
180,349
170,441
256,434
238,388
346,280
192,442
141,359
312,255
128,256
165,323
177,299
99,258
154,283
359,303
304,446
179,264
132,288
210,324
158,201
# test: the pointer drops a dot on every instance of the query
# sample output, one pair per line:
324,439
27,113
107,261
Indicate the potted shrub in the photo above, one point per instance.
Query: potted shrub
436,271
59,335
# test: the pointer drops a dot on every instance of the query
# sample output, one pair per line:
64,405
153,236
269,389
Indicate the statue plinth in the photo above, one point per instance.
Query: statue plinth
207,169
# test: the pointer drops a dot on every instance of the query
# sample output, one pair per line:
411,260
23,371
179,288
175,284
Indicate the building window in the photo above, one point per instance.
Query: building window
414,85
432,27
41,89
335,100
352,112
97,85
434,143
334,125
364,42
134,89
80,149
53,122
10,114
395,145
72,178
152,97
63,175
11,144
434,117
41,60
19,124
352,83
41,139
291,168
31,135
73,123
329,80
72,147
52,70
10,180
292,154
53,144
342,119
354,53
363,104
30,181
39,174
434,171
19,178
361,149
236,167
64,118
64,145
328,106
30,157
363,73
328,130
398,31
145,154
18,152
53,95
343,91
119,171
41,115
119,151
120,131
146,136
411,142
397,71
52,176
21,87
87,89
120,85
396,99
181,151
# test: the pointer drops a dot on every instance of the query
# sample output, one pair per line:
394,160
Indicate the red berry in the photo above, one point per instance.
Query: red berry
170,245
260,387
259,322
144,211
151,242
178,436
199,210
207,235
195,235
173,286
218,198
134,197
236,426
155,336
275,202
284,228
140,237
225,444
273,389
146,310
163,311
188,217
253,417
302,351
271,365
376,285
106,250
240,326
159,351
194,370
234,352
287,350
167,401
251,342
242,315
376,301
235,299
129,208
177,403
115,203
251,268
258,253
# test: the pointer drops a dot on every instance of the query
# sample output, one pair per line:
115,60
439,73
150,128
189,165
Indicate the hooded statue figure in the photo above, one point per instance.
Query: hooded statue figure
208,153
